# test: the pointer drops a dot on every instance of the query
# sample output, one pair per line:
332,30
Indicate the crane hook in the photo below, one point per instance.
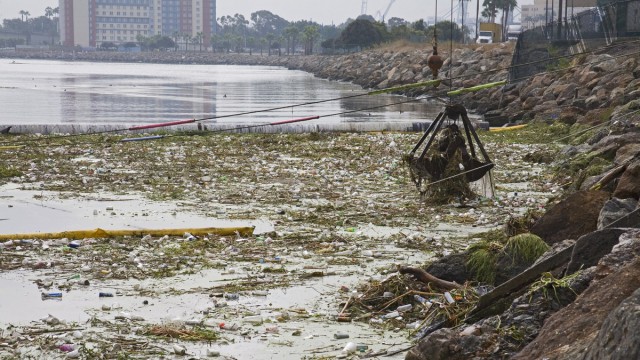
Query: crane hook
434,61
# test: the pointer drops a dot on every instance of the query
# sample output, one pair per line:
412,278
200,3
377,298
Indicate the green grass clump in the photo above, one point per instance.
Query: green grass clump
525,247
6,172
482,261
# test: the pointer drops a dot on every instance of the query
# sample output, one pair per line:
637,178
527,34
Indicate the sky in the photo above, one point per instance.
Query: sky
323,12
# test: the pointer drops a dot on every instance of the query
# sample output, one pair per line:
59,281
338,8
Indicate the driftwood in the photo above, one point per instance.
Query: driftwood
612,174
425,277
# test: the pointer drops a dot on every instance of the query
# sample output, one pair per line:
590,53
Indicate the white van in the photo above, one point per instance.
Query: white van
485,37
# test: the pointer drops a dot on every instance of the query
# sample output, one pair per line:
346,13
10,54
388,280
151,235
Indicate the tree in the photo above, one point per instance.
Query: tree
396,21
419,25
490,9
507,7
361,33
290,33
199,37
187,39
447,31
266,22
309,34
270,37
22,14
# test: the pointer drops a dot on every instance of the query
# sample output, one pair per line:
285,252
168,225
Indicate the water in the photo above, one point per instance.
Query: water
119,95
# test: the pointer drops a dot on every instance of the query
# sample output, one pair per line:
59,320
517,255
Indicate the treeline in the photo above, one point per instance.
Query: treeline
26,26
269,33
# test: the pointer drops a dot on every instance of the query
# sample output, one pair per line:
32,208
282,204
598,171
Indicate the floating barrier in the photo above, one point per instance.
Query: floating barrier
507,128
101,233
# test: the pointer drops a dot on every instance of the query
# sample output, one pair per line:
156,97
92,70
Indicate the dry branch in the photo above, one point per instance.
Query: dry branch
426,278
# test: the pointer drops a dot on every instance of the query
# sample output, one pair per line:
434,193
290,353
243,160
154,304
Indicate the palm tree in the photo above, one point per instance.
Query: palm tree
288,33
309,34
22,14
186,38
270,38
507,6
199,37
490,10
48,12
263,42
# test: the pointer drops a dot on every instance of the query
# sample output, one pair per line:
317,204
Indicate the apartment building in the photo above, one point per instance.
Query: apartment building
90,23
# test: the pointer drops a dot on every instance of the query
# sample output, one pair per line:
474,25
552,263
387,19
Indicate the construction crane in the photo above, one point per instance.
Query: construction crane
381,16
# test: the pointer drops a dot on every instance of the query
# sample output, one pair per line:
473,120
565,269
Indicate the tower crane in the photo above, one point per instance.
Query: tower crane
381,16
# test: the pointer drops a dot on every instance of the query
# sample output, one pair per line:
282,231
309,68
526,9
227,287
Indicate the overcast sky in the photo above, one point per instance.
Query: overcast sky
321,11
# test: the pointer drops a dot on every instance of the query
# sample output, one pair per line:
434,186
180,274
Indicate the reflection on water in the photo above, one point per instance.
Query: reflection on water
55,92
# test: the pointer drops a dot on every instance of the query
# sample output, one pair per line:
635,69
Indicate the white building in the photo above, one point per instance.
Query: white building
90,23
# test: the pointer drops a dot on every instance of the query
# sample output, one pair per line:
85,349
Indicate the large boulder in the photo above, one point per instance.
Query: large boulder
590,248
450,344
451,268
629,184
571,218
627,153
618,212
569,332
619,338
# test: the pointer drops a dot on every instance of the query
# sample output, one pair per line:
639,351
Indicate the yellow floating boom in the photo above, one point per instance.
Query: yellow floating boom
101,233
12,147
476,88
508,128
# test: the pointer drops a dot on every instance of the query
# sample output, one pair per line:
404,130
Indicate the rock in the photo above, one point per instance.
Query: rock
592,102
450,344
569,332
569,115
627,153
571,218
627,249
617,211
590,248
618,337
629,183
451,268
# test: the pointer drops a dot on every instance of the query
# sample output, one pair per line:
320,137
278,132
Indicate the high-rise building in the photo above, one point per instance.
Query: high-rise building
92,22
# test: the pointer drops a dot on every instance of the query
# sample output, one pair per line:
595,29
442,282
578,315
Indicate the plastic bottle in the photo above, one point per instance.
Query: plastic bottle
449,298
420,299
340,335
231,296
350,348
105,294
404,308
391,315
51,295
254,320
179,350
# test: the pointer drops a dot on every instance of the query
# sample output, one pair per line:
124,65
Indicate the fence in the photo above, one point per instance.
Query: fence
586,31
